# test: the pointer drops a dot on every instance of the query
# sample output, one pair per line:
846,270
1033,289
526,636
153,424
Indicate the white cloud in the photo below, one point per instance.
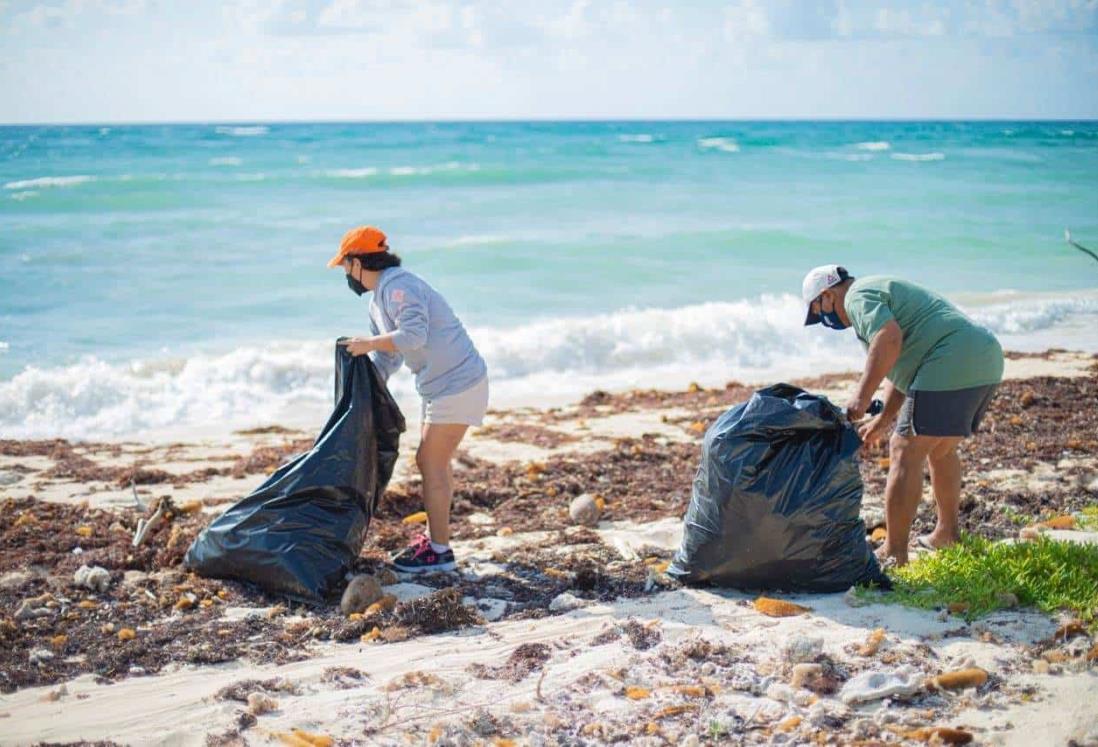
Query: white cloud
745,20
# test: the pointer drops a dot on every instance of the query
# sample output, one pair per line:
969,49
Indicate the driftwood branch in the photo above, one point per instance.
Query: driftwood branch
143,526
1077,245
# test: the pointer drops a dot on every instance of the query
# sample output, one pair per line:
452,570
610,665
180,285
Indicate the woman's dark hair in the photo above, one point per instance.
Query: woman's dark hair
377,261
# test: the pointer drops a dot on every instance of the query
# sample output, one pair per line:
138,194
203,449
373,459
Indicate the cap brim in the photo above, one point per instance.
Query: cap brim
811,318
336,260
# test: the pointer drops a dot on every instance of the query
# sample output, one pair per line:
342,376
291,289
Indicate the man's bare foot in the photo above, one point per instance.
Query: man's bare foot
890,559
937,540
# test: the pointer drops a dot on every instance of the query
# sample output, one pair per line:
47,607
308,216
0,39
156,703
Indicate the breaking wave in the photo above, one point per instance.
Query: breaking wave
549,361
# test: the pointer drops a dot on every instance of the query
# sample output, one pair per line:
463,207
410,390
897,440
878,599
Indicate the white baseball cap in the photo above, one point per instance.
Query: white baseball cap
816,282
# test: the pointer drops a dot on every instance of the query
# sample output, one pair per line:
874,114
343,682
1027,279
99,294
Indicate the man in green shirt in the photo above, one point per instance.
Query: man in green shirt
942,371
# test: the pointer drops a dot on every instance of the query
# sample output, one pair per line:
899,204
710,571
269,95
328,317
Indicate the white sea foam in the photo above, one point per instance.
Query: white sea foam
539,363
226,161
726,144
873,145
256,177
919,156
351,173
849,156
636,138
50,181
1016,317
20,196
479,239
243,131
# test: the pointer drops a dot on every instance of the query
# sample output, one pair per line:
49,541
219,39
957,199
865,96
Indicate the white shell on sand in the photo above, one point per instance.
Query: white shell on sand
870,686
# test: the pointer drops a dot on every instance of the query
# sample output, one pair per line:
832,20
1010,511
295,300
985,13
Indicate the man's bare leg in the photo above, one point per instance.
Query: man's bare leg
945,477
903,490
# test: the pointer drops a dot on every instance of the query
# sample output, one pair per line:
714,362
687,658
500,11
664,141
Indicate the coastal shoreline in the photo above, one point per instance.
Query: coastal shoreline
706,660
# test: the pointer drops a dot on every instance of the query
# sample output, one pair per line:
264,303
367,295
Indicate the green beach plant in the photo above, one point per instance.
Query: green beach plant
981,575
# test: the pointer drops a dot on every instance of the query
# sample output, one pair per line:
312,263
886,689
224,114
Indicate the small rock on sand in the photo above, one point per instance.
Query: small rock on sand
94,578
584,510
565,602
361,592
804,672
801,649
258,704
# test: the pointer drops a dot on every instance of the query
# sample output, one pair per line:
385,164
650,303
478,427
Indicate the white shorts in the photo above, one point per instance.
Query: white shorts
463,408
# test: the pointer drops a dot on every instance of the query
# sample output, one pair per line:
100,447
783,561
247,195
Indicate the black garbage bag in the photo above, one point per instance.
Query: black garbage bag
777,499
299,531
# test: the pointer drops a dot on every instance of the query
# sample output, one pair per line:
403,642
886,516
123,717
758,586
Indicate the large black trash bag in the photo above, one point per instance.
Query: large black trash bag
299,531
777,500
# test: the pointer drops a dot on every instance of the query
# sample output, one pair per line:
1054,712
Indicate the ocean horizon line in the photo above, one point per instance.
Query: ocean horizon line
554,120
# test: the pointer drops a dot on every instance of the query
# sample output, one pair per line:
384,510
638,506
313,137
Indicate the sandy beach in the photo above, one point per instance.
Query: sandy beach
550,633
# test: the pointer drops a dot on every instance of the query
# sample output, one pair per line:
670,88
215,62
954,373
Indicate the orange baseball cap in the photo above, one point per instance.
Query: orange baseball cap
361,240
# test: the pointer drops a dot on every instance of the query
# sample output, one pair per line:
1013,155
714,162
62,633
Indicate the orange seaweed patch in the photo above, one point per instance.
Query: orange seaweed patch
873,643
880,534
940,734
419,517
1059,522
676,710
690,691
960,679
637,693
789,724
779,607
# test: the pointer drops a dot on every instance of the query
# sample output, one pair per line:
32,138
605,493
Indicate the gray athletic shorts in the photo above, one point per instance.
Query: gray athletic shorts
956,412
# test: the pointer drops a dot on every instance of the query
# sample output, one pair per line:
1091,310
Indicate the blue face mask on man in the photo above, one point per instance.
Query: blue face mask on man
831,319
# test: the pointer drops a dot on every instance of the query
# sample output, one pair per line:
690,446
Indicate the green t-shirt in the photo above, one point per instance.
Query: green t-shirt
942,348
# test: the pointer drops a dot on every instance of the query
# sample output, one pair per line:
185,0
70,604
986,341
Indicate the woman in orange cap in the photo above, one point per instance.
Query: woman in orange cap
410,322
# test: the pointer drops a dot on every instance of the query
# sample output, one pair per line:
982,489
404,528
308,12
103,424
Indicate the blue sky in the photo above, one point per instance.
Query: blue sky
245,60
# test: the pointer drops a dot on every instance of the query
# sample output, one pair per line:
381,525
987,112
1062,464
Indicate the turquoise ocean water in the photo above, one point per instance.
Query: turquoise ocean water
171,277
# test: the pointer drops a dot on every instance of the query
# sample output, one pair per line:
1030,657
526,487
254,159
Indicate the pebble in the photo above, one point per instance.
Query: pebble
1029,533
566,602
94,578
386,577
10,478
865,728
258,704
134,578
584,511
780,693
360,593
39,655
804,672
802,649
31,608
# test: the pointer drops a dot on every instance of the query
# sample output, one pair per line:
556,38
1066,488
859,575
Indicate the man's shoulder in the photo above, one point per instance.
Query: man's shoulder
874,282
